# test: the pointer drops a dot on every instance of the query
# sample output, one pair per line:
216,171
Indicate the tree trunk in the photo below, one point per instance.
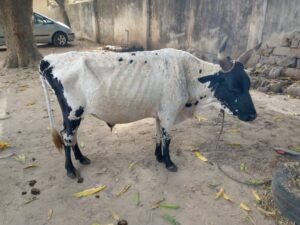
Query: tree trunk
61,4
16,17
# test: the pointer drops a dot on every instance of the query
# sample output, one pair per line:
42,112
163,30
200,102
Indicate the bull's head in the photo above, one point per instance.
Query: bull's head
230,86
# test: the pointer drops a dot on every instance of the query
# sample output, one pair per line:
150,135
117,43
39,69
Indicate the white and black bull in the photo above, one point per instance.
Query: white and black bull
166,84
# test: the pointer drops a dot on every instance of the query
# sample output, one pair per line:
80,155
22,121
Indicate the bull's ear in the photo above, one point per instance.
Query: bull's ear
206,79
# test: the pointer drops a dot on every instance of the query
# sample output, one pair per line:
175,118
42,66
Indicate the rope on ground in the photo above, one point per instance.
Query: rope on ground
221,169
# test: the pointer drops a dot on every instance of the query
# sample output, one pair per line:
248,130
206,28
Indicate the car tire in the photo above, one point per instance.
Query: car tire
60,39
285,198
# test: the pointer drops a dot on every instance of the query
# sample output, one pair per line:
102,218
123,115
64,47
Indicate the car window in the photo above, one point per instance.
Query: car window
37,19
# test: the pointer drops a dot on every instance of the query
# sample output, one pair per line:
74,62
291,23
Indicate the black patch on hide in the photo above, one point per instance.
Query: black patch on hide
188,105
79,111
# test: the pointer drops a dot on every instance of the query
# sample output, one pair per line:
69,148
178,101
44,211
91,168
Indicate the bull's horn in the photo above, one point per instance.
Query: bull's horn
245,56
224,61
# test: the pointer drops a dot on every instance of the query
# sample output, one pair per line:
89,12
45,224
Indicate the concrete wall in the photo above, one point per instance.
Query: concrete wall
82,18
40,6
200,24
272,18
122,21
281,17
197,24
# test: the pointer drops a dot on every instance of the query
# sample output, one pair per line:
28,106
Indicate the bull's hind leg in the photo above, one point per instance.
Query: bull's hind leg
78,155
70,127
69,134
158,152
71,171
71,121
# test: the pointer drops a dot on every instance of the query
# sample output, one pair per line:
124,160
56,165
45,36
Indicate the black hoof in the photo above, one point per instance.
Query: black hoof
71,174
159,158
172,168
85,161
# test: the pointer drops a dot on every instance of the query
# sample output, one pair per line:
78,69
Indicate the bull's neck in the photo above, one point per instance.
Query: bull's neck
196,68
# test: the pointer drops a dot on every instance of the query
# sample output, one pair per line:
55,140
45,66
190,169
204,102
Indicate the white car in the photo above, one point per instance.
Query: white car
47,30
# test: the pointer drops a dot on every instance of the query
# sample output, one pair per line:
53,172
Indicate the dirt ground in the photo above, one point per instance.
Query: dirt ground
24,124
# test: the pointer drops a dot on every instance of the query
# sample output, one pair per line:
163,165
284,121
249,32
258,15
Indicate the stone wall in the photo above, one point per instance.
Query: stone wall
278,65
281,59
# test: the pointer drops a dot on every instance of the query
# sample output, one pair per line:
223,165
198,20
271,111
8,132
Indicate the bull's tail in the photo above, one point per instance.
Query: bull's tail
56,137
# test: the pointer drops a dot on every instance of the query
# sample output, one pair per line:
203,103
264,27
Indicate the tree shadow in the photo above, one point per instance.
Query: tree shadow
49,45
41,46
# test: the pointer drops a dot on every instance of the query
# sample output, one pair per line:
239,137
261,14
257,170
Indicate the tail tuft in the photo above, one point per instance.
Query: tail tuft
56,138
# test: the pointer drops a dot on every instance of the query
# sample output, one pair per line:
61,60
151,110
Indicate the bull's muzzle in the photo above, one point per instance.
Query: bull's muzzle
248,118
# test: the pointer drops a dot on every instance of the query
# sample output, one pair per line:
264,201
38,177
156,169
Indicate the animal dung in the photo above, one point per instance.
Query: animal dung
32,183
35,191
122,222
80,180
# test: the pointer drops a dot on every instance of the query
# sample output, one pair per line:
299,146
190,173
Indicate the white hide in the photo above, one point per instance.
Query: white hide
115,89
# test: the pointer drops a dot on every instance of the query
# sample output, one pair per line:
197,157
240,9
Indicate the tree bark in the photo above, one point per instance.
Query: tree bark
16,17
61,4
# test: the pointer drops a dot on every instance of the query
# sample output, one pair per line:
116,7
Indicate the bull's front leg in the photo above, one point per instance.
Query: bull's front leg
173,100
163,141
166,140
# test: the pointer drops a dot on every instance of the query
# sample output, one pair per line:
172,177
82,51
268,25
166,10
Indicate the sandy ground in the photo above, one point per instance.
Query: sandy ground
24,123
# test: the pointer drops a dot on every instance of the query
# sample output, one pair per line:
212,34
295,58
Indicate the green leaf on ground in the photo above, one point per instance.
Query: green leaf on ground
170,219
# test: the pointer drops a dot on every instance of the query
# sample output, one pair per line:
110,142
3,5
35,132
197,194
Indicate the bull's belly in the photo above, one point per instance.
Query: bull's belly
122,112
